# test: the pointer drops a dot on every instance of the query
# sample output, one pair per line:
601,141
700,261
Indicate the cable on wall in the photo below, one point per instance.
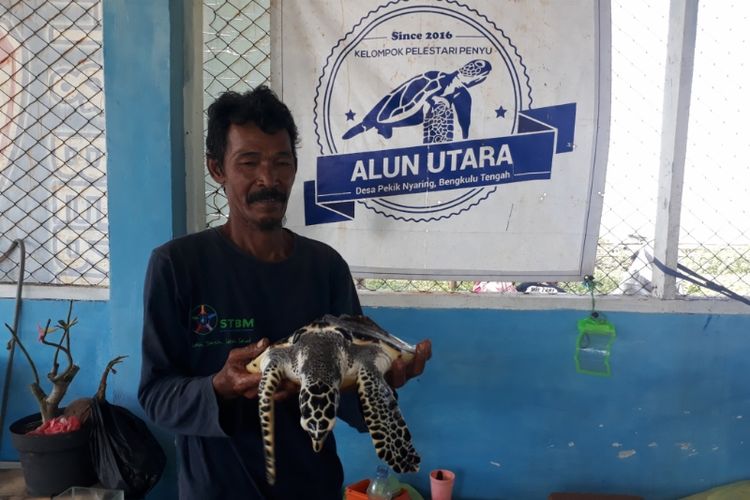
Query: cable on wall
16,316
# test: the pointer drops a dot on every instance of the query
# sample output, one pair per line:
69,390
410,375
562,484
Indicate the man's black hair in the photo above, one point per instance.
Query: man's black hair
259,106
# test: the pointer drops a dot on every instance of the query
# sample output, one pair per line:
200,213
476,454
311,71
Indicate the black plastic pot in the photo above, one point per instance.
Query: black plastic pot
52,463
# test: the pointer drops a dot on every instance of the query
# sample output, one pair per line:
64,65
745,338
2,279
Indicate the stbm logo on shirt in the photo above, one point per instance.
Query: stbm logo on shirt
204,320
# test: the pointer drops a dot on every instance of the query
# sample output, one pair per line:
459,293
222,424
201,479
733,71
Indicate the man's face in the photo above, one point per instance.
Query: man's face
257,175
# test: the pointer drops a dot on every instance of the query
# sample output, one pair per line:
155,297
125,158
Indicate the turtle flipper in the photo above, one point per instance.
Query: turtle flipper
355,130
272,375
385,131
387,428
462,103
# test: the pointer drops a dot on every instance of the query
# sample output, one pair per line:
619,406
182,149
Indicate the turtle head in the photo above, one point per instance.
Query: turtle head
318,402
474,72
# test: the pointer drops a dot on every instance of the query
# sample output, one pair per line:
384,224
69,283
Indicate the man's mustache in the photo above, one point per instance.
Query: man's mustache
268,194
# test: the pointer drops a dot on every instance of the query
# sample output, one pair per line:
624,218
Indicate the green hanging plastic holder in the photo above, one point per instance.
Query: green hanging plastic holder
594,346
594,342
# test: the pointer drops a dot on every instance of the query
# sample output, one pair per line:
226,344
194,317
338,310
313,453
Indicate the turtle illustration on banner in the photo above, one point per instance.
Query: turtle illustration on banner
433,98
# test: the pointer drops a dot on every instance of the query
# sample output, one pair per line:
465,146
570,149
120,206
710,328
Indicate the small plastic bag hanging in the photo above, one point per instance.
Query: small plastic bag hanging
594,342
594,346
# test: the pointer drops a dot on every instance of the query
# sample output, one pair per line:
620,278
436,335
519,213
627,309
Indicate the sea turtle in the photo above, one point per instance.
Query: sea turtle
429,98
323,357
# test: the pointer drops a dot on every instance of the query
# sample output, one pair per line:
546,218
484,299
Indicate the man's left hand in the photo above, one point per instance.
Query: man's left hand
401,371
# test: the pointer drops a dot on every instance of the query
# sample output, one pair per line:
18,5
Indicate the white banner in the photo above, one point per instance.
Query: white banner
447,139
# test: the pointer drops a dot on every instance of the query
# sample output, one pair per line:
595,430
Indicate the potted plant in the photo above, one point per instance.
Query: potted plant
53,445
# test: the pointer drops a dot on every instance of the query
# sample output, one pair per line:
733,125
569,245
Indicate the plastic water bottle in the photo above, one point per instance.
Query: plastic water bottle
384,486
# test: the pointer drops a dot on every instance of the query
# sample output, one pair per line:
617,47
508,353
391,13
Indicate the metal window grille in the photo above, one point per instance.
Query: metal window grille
715,218
52,150
639,38
715,227
236,56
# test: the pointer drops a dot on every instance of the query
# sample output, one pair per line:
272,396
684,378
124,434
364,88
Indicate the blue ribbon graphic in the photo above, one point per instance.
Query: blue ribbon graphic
527,155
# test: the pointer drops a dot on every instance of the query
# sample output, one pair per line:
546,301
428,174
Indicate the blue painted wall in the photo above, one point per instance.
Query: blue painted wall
145,156
500,403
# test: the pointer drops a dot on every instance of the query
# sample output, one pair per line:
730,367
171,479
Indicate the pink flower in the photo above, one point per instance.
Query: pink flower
42,332
58,425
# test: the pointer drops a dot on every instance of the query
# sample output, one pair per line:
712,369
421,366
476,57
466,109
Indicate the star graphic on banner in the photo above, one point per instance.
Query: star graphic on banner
350,115
500,112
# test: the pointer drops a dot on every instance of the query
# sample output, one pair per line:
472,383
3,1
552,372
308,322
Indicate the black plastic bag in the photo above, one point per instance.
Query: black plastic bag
125,453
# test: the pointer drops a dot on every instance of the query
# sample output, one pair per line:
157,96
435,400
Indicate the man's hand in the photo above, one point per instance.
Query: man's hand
402,371
233,380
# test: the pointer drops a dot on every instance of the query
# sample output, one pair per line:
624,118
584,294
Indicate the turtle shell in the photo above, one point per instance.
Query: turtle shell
408,98
360,330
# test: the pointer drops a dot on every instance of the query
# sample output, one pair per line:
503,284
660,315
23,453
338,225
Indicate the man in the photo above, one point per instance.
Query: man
214,300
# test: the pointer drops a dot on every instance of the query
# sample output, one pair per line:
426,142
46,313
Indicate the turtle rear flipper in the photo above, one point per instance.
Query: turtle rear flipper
385,130
387,428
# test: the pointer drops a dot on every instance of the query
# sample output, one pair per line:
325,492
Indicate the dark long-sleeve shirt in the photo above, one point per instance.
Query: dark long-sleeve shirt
203,297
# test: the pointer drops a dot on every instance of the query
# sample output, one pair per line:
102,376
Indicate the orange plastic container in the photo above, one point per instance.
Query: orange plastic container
358,491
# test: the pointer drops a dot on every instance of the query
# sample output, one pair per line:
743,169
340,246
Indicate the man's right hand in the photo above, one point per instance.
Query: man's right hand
233,380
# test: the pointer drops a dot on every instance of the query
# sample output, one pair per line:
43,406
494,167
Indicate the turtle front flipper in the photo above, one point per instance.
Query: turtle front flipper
388,430
462,103
270,380
355,130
